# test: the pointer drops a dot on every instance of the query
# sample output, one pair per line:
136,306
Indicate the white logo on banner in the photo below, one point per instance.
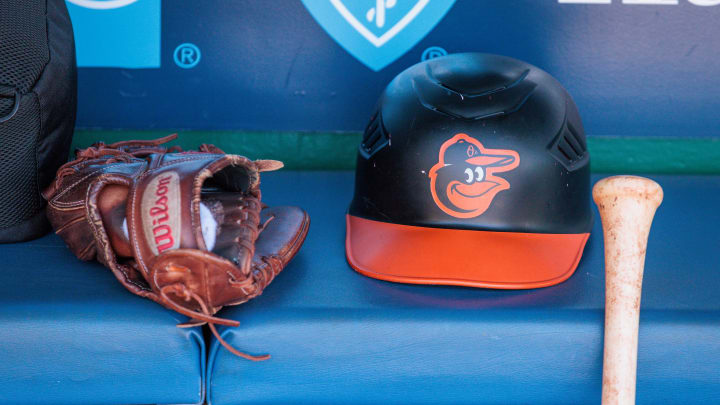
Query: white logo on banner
102,5
378,14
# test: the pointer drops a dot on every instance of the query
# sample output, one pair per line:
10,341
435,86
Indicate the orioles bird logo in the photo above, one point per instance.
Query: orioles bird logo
463,181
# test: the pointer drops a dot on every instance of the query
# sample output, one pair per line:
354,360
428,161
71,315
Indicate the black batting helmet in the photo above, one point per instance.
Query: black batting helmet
473,171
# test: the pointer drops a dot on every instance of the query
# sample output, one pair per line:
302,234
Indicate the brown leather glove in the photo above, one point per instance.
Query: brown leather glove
185,229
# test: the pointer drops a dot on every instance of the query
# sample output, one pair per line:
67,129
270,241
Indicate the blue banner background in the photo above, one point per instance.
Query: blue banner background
637,70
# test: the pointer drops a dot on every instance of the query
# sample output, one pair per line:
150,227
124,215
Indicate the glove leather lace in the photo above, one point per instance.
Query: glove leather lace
185,293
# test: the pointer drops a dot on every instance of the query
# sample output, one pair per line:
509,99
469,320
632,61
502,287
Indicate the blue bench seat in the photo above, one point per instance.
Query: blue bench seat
338,337
71,334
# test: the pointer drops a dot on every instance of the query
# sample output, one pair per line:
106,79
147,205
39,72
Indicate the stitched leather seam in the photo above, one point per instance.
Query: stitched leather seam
69,224
80,202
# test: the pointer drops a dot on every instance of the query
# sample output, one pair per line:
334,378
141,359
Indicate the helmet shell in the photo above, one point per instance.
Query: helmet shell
479,142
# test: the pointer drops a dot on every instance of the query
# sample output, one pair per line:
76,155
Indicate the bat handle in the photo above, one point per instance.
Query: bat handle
627,205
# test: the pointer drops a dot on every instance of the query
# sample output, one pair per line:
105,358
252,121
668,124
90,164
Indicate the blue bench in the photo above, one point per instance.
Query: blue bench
70,334
338,337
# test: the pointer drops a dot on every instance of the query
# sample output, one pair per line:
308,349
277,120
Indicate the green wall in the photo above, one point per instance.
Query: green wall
336,150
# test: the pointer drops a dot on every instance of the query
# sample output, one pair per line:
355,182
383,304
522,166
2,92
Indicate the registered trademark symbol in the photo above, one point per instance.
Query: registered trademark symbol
187,55
433,52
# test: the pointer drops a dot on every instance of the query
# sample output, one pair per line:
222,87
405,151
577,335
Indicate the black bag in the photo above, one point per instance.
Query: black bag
38,97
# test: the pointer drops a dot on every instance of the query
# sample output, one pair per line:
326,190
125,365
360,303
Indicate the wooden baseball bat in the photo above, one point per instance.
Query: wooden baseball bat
627,205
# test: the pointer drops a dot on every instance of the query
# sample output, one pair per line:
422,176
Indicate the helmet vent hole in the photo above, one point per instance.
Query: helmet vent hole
576,139
374,138
569,147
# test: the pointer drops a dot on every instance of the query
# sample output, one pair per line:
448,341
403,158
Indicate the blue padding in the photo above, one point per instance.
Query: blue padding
338,337
71,334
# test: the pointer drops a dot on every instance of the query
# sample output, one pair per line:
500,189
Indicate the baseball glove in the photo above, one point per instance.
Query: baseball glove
184,229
